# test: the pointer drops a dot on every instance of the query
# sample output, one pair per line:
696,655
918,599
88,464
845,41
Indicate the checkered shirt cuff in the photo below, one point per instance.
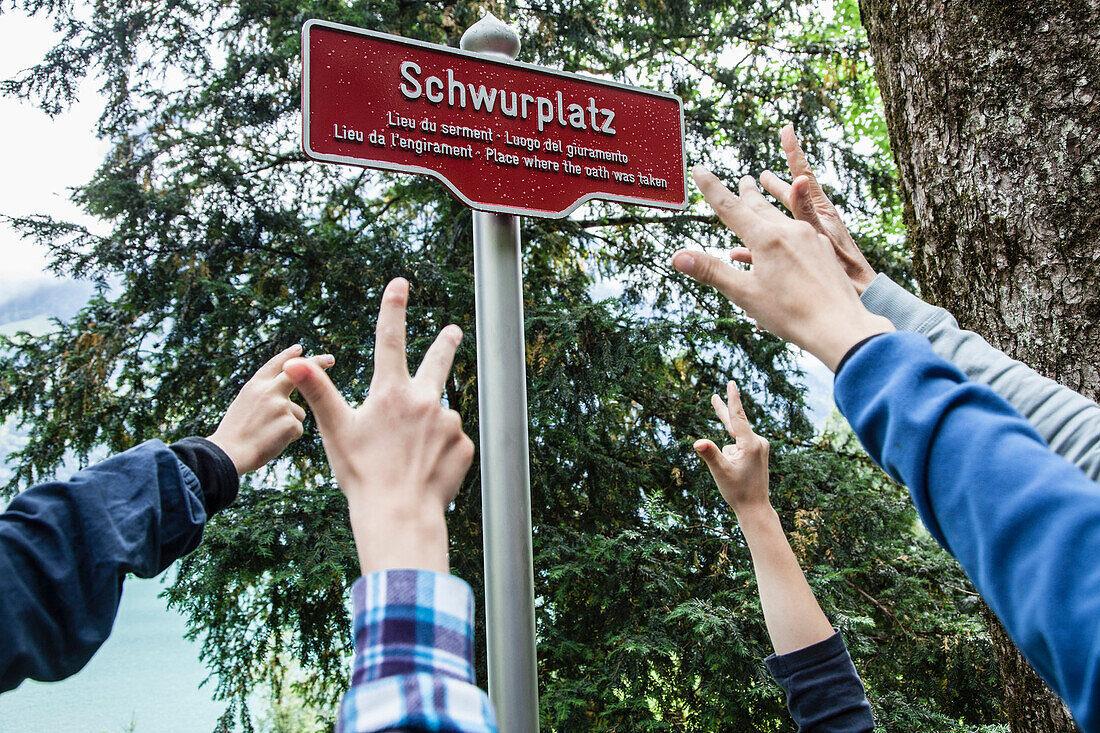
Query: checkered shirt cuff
413,666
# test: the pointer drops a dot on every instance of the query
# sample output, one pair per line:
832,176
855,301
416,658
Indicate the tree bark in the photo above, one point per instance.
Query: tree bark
993,110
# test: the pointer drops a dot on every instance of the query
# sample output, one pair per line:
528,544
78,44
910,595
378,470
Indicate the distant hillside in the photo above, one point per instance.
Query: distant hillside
27,305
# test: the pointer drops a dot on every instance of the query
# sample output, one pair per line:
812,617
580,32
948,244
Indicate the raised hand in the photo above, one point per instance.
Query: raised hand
811,205
740,469
262,420
399,457
796,289
791,612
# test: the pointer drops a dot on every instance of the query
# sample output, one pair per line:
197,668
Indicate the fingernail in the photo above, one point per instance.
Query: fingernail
328,359
296,348
699,170
454,333
684,262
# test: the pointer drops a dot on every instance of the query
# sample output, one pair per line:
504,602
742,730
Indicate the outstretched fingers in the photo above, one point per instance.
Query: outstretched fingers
437,361
282,382
777,187
733,212
799,199
722,411
274,365
755,200
732,414
798,163
389,339
738,422
738,216
802,202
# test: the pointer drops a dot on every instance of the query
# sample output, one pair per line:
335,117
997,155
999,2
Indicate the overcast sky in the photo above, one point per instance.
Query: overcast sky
41,158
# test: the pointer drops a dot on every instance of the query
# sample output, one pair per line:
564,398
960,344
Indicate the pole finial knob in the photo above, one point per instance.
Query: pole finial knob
491,36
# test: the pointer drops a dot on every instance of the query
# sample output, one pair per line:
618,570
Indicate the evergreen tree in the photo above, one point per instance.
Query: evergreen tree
225,243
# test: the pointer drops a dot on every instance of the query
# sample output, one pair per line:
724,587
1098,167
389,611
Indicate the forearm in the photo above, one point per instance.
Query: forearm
1022,522
66,546
811,663
791,611
1067,421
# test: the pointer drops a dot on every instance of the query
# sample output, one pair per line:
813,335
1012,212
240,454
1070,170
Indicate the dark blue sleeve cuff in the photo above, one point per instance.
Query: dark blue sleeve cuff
213,468
824,692
851,352
784,665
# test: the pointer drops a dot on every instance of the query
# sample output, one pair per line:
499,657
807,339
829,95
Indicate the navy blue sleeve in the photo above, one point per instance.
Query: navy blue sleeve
66,546
1023,523
213,468
824,692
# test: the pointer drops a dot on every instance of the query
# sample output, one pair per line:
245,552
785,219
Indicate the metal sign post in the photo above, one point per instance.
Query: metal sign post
506,138
505,467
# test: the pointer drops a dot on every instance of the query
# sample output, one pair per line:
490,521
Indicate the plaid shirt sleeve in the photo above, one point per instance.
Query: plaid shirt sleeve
413,668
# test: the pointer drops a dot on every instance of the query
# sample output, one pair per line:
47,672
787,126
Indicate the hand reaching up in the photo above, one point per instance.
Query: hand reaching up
399,457
811,205
791,613
796,289
740,469
262,421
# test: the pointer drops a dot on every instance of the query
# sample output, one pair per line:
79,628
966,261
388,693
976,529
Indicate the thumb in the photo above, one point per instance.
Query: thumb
712,271
802,202
324,400
717,464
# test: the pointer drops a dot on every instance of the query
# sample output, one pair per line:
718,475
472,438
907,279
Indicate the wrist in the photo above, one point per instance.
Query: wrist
832,342
230,449
863,280
392,538
756,518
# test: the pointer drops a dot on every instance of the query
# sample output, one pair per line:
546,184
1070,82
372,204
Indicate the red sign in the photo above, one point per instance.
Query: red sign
503,136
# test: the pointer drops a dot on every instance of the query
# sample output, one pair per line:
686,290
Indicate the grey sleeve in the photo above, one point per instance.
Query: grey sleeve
1068,422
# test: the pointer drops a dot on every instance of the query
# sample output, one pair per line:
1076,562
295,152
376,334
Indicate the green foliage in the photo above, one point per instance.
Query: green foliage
286,709
225,244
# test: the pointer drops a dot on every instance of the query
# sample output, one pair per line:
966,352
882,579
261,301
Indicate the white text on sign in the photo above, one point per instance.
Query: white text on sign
453,93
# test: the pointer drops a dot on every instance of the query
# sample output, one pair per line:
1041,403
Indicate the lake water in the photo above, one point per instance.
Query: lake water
146,674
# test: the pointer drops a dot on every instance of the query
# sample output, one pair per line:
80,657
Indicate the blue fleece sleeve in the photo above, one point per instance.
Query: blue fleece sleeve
1023,523
65,547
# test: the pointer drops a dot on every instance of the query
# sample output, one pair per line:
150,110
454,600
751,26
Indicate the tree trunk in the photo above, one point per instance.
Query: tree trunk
993,110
